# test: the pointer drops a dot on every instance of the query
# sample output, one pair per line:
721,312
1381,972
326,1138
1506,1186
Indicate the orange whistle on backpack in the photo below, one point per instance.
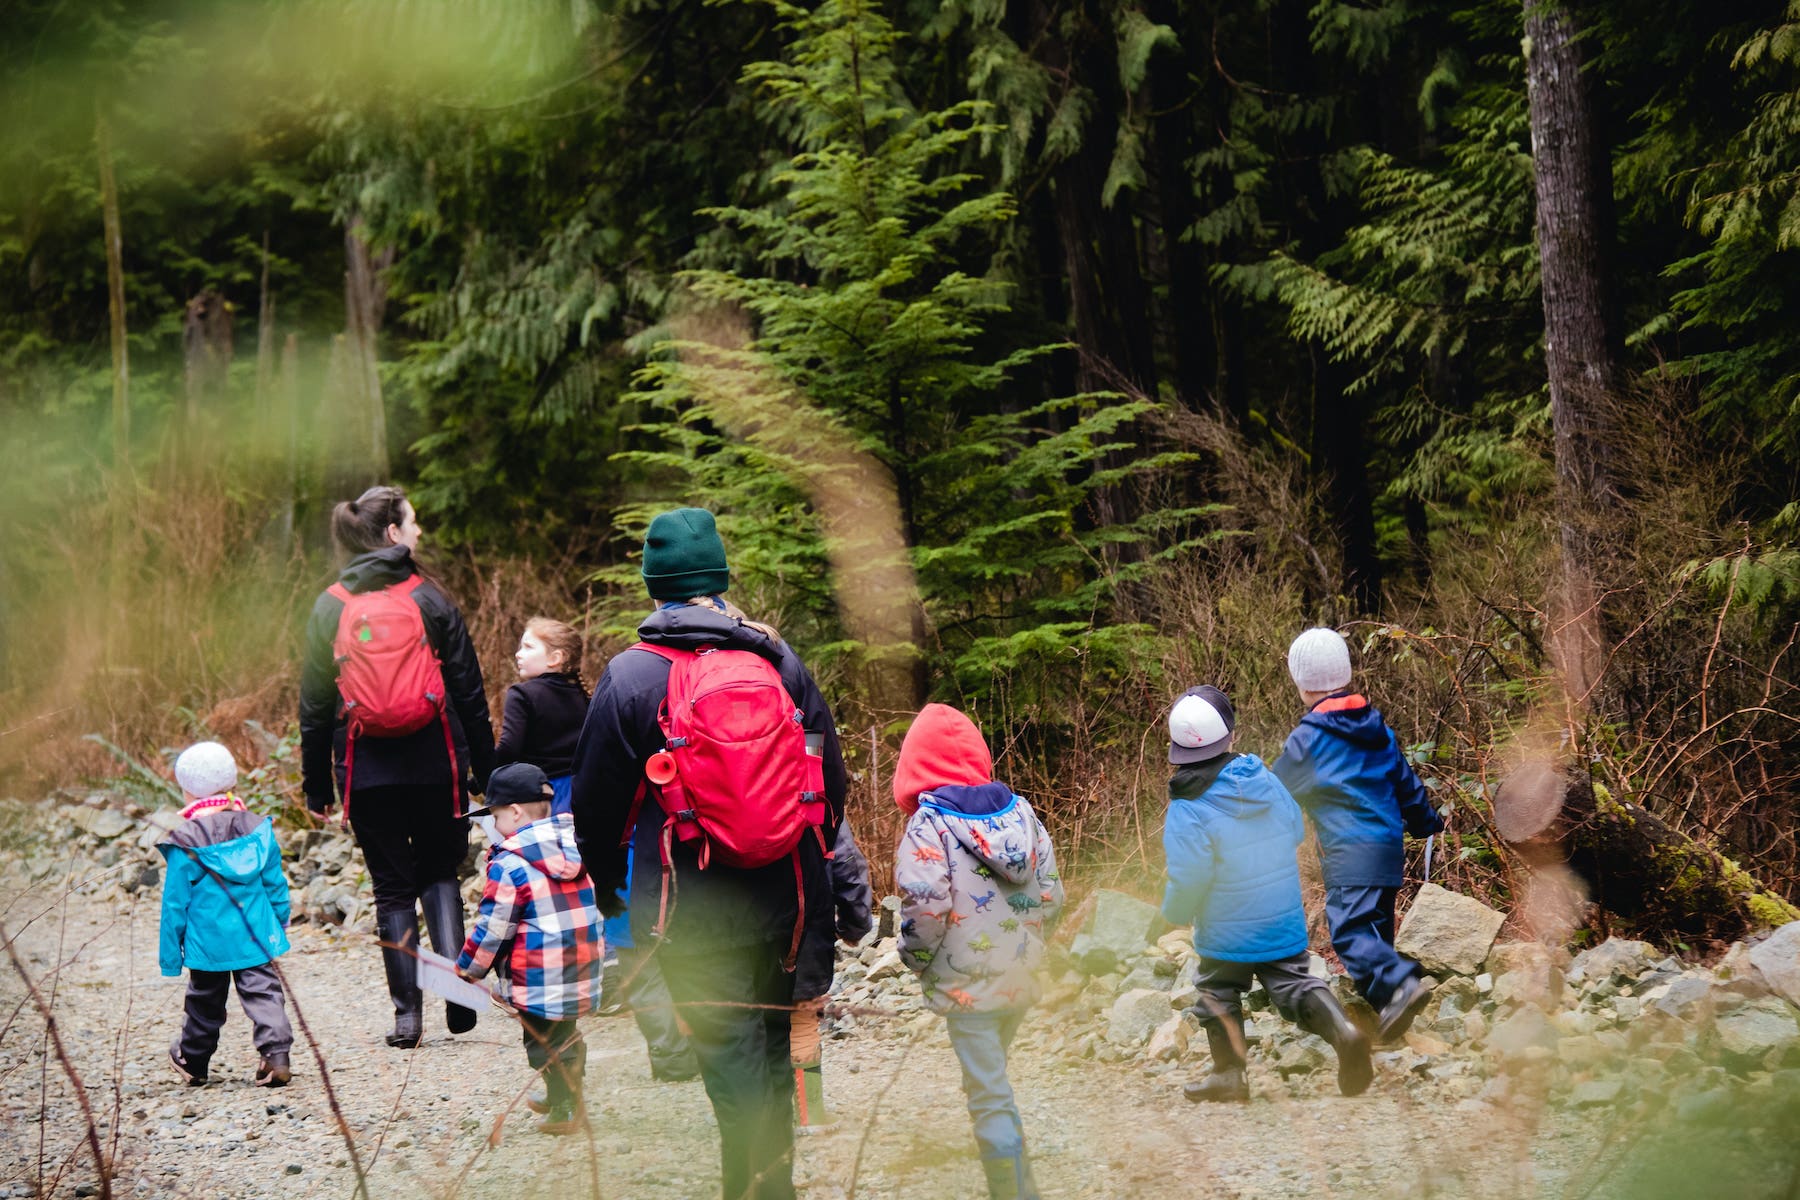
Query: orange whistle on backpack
659,768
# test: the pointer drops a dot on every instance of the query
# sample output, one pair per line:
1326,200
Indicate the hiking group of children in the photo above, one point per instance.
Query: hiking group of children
679,836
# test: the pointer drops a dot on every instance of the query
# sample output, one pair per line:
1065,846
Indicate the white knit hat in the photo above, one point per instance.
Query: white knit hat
206,769
1319,661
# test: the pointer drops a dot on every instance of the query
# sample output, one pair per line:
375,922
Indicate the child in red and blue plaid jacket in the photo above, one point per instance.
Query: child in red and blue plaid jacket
539,923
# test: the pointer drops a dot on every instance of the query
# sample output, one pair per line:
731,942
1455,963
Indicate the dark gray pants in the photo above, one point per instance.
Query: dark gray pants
648,994
1222,986
259,991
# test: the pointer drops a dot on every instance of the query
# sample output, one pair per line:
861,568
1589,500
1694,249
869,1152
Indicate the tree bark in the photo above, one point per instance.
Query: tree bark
122,488
1581,347
1108,299
365,304
1340,458
206,343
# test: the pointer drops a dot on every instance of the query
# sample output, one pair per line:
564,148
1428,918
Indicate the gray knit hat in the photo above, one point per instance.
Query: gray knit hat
1319,661
206,769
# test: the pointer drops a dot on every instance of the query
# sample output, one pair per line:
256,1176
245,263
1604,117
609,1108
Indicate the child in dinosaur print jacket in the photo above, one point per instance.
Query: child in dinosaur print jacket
978,886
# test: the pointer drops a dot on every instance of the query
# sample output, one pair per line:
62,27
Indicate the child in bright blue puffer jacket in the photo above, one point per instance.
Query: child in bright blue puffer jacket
1345,767
1229,843
224,917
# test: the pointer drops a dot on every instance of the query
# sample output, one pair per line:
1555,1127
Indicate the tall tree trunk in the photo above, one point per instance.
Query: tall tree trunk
1108,299
289,408
365,304
122,487
1581,349
266,423
1187,325
1340,459
206,342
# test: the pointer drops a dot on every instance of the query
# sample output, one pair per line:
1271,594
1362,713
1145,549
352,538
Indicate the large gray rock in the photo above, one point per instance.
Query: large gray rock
1739,974
1302,1056
1596,1093
1525,1035
1748,1033
158,826
1778,958
104,823
1616,960
1121,924
1170,1041
1136,1015
1687,997
1526,973
1448,933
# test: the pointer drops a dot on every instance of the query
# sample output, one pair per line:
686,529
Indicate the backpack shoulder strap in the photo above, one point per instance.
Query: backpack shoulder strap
407,586
665,652
340,591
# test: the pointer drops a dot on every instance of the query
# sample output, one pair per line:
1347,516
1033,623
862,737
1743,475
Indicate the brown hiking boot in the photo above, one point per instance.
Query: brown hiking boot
192,1074
272,1071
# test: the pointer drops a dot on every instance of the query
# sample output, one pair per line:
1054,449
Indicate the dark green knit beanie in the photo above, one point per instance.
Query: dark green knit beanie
683,556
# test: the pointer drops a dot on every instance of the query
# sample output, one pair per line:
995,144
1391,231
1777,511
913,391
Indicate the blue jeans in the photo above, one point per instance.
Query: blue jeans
980,1041
1362,933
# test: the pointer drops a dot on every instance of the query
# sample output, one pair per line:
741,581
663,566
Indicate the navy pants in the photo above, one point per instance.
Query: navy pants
1362,933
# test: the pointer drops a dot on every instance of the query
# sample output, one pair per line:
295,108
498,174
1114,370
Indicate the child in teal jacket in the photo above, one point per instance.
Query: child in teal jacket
224,917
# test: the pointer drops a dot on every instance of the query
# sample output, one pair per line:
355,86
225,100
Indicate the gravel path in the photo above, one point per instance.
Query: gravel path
422,1120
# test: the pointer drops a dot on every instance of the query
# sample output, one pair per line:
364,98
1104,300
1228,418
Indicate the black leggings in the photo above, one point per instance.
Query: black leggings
408,841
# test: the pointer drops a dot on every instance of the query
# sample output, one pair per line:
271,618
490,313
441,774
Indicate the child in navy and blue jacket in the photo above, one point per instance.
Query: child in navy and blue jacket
1345,767
1229,843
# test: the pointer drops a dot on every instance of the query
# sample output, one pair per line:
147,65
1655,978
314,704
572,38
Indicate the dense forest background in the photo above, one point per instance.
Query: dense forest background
1043,357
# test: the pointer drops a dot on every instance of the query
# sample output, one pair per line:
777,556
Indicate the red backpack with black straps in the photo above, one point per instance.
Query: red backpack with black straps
734,772
389,679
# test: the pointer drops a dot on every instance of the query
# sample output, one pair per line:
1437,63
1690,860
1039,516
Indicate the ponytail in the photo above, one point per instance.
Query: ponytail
360,525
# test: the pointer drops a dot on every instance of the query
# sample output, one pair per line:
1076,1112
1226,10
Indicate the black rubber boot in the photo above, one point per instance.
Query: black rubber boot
399,948
1321,1013
1398,1013
442,902
1226,1082
563,1079
1009,1178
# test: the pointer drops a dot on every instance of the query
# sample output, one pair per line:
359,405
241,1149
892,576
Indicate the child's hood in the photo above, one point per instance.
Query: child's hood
548,845
991,823
1352,718
942,747
1239,789
236,846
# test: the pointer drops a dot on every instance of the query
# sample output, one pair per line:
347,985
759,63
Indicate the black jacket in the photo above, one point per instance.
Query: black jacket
854,902
541,723
418,758
719,906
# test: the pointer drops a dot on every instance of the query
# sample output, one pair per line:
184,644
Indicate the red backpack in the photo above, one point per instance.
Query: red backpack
389,678
734,771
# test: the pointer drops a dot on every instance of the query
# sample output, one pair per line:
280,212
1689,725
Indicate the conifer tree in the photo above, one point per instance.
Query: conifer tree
870,318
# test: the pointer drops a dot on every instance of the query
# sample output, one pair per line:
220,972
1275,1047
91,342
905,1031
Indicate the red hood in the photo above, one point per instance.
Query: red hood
942,747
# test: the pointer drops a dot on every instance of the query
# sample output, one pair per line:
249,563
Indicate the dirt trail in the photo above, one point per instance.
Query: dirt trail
422,1119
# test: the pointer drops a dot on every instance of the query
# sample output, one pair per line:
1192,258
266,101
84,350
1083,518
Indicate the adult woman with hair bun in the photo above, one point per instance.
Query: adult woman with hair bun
394,719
